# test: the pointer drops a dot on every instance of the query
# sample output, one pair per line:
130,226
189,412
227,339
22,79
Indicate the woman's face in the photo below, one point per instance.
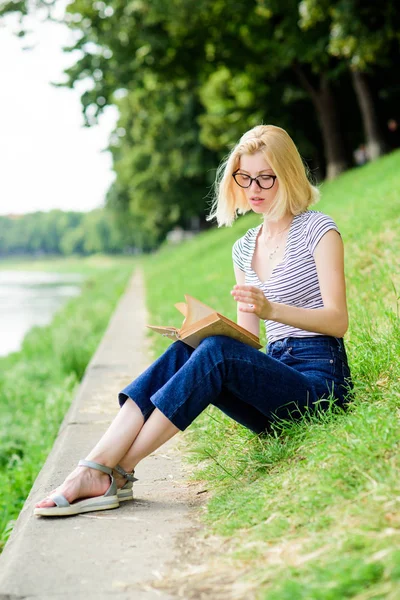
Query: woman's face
255,165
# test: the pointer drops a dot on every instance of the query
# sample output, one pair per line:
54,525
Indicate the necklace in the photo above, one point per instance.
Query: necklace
275,250
271,254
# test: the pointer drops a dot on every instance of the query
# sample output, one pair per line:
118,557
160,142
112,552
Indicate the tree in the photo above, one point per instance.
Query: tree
58,232
189,77
263,38
176,41
362,34
162,169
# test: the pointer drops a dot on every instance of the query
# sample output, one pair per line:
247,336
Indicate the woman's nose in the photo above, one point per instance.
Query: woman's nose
258,187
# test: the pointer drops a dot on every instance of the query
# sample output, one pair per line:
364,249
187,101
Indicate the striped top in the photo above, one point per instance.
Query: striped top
294,281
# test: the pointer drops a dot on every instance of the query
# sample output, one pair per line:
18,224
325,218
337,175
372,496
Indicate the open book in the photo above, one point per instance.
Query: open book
201,321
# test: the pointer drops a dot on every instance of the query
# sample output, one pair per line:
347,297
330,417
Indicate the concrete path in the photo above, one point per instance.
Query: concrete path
110,554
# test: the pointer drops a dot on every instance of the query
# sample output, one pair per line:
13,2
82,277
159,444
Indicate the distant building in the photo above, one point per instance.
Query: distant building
178,234
12,216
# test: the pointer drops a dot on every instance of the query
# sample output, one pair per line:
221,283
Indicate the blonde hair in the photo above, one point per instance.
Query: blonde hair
295,193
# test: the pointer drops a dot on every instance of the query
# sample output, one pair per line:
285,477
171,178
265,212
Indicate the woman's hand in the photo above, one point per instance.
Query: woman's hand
253,301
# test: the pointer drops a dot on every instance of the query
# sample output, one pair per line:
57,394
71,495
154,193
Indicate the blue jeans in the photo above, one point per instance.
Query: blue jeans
249,386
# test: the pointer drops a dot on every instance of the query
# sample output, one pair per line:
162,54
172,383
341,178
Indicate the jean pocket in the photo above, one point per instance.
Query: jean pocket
341,360
312,354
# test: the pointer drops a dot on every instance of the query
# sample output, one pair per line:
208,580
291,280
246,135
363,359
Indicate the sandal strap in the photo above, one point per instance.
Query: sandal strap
59,500
112,490
125,475
96,466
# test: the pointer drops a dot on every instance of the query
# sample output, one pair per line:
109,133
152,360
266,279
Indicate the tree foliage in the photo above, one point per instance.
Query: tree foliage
360,32
190,77
62,233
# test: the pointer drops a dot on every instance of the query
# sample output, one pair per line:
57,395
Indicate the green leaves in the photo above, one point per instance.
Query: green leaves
190,77
58,232
358,32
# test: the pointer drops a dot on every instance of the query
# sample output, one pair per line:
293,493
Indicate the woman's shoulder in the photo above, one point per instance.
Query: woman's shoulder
241,250
313,216
315,220
315,224
248,236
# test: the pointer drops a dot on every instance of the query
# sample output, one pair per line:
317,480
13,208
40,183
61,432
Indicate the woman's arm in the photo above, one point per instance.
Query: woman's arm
249,321
332,319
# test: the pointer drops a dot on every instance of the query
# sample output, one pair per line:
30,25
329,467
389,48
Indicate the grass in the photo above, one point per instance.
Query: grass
311,511
38,383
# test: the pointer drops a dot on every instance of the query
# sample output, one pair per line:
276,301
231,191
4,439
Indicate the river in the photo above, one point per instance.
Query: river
29,298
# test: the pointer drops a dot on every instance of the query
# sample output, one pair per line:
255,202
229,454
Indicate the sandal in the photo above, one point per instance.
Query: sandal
125,493
64,508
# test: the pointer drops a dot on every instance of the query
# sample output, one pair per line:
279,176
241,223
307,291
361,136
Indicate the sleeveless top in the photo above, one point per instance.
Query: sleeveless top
293,281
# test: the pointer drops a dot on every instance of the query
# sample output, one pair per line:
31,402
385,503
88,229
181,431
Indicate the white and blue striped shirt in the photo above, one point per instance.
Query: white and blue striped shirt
294,281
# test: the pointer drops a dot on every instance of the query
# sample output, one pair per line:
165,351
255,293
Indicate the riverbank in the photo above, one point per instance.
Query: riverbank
311,512
38,383
31,298
115,553
84,265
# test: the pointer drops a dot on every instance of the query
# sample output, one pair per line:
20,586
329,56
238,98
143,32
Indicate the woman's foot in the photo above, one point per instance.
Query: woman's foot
83,482
119,480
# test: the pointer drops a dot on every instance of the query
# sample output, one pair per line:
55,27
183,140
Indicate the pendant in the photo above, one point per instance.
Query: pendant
271,254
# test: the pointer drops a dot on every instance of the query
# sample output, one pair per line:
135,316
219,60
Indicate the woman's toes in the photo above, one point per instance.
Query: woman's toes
79,484
47,502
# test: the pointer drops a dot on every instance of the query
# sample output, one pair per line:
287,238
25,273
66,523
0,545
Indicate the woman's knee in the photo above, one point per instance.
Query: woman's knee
212,351
214,342
178,349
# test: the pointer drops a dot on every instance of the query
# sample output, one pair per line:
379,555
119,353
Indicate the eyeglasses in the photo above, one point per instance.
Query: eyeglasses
265,182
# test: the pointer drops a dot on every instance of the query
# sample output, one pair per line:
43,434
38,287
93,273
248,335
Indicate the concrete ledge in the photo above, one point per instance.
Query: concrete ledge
112,553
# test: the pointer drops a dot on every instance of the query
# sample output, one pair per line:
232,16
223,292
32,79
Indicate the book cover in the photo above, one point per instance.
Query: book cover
202,321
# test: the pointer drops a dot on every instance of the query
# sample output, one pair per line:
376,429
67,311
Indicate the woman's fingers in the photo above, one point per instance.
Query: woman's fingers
245,290
248,308
248,300
252,300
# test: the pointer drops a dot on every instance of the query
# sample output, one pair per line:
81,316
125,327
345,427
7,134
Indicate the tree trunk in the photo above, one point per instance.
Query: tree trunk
375,142
335,150
324,102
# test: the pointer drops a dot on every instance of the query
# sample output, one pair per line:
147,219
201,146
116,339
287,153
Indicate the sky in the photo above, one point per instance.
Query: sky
47,158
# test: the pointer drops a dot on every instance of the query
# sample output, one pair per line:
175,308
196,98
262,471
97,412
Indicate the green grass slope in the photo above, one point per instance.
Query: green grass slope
313,511
38,383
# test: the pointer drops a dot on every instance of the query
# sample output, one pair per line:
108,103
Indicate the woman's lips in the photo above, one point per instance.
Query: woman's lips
256,200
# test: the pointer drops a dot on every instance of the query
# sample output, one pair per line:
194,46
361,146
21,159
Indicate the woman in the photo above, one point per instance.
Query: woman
290,273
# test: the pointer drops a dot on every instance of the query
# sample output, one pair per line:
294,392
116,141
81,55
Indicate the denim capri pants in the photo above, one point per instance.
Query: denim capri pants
249,386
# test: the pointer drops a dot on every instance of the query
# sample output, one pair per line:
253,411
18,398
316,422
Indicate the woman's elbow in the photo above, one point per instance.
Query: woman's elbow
341,325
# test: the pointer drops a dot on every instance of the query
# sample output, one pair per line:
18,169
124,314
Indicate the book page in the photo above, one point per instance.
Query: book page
169,332
182,307
196,310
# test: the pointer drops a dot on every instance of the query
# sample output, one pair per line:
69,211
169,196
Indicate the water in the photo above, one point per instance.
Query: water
29,298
